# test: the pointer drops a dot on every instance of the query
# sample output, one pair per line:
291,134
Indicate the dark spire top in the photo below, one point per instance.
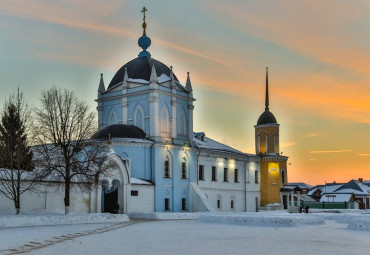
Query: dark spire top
144,41
267,90
101,88
266,117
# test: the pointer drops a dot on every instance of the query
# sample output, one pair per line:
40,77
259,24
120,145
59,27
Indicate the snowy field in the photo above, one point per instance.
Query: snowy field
248,233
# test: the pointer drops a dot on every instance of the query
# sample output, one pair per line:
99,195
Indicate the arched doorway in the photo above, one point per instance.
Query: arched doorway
112,194
110,203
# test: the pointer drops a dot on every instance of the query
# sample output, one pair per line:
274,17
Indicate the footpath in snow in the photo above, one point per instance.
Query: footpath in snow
355,220
59,219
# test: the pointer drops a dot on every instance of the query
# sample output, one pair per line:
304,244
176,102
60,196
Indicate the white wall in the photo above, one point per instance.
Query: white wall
240,192
49,198
144,202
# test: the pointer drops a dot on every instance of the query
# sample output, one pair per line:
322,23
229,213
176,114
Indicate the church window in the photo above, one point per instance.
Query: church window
201,173
232,204
214,176
218,203
256,176
247,174
167,204
236,175
181,125
226,174
167,170
183,169
112,119
164,121
183,204
139,118
283,176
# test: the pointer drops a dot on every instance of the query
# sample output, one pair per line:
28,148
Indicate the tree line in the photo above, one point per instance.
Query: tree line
51,142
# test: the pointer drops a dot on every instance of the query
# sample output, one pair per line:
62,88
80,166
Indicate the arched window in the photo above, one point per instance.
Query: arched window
139,118
283,176
276,142
112,119
164,121
184,171
167,167
262,141
181,125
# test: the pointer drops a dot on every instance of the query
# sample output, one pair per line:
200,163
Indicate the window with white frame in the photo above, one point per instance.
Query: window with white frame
184,173
166,168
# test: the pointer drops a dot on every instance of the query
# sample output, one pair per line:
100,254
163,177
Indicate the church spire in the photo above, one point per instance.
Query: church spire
188,84
144,41
125,78
101,88
153,75
267,90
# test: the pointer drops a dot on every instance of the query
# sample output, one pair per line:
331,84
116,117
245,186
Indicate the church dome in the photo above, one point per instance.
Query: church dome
140,68
266,118
119,131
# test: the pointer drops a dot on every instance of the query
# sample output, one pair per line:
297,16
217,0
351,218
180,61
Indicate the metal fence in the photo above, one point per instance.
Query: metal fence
326,205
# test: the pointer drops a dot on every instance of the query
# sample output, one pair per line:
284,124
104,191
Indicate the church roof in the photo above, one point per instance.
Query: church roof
119,131
140,68
266,118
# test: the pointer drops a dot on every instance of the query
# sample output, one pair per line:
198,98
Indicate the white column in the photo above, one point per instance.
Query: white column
124,111
190,126
281,201
154,117
174,116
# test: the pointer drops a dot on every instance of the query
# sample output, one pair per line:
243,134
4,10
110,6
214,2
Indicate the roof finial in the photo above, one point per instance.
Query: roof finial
188,84
101,88
267,90
144,24
144,41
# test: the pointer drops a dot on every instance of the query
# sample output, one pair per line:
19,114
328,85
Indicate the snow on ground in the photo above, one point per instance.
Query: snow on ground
59,219
193,237
360,224
263,219
164,216
238,233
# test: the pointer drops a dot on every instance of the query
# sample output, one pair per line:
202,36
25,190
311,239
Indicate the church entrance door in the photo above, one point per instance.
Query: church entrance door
111,201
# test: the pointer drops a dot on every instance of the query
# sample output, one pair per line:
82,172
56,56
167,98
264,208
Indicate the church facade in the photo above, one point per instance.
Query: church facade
145,117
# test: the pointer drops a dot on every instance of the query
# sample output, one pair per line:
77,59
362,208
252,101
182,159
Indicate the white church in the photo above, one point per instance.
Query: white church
145,116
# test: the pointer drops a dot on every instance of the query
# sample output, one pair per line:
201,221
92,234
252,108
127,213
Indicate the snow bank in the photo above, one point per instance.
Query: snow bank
164,216
360,224
262,219
342,216
59,219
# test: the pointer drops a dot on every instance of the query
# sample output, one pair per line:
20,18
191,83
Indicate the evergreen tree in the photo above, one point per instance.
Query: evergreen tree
15,154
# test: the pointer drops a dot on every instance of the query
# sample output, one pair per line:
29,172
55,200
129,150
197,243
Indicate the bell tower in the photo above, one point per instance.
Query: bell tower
273,166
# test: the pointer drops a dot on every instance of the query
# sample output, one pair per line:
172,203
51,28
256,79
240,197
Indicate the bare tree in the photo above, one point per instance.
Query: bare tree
64,126
16,176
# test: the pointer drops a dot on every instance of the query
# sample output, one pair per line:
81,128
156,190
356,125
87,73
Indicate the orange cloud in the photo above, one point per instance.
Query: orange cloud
332,151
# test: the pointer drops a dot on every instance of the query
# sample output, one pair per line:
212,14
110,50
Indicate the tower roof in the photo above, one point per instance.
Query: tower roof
267,117
140,68
119,131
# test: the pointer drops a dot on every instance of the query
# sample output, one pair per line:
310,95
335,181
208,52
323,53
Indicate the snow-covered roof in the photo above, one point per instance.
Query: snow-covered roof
140,181
336,197
301,185
211,144
306,198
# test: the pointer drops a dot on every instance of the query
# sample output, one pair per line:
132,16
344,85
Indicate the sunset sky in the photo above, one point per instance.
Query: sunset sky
318,54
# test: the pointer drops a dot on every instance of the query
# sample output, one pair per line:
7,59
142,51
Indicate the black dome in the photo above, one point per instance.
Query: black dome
119,130
140,68
266,118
